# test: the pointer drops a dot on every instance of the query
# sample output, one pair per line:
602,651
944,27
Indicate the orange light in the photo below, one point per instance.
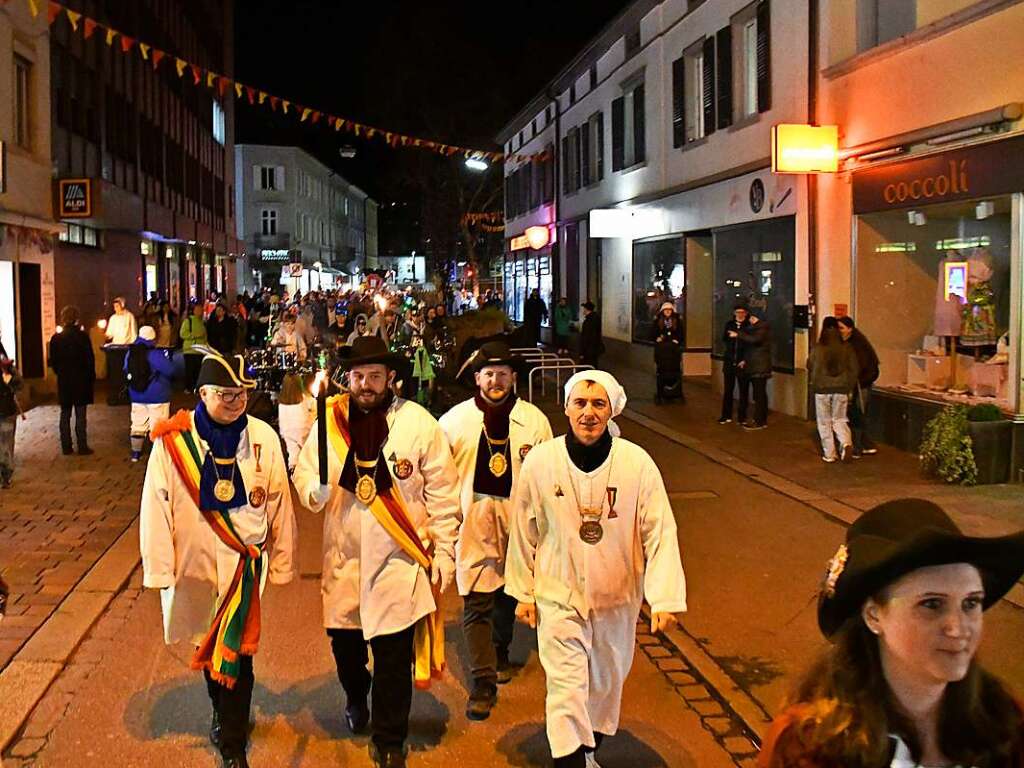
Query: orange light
538,237
805,148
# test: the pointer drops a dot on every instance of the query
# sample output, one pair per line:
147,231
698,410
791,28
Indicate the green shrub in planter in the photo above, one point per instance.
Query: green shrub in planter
946,447
985,412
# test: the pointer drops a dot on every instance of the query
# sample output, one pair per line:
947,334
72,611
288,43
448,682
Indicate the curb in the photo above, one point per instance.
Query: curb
25,680
831,508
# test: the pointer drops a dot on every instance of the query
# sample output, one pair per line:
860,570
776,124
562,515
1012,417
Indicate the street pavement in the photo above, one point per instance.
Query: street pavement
754,551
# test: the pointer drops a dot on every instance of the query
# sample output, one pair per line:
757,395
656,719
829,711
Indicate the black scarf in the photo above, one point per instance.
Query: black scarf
369,432
587,458
496,423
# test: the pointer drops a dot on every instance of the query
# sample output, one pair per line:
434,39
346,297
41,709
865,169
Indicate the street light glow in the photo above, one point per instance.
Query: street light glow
476,164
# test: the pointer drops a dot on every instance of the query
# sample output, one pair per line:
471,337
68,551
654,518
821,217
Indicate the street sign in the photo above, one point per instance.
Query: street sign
75,198
295,269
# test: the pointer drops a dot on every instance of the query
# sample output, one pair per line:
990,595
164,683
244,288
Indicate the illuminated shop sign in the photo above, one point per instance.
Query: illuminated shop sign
805,148
74,198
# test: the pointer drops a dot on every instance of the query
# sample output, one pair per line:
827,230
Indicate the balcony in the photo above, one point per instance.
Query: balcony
279,242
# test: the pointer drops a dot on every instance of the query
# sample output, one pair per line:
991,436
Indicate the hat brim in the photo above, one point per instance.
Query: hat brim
392,360
877,562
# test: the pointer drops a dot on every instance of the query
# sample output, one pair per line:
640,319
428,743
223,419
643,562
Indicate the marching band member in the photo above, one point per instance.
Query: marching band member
288,338
592,536
216,523
391,515
490,435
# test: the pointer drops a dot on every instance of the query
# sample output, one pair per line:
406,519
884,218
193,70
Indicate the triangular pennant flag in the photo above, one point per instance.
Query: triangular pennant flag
52,13
273,102
197,74
387,136
305,114
316,118
180,64
74,18
238,90
144,50
222,84
285,104
157,56
263,96
126,42
111,34
90,26
405,140
251,93
357,127
370,132
337,124
211,78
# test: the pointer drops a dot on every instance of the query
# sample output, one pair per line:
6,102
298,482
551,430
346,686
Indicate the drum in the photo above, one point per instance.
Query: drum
287,360
259,359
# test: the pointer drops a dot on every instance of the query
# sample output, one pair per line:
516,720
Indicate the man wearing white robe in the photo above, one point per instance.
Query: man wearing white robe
490,435
592,536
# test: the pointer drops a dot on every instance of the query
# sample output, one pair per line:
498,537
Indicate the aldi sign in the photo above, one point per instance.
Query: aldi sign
75,198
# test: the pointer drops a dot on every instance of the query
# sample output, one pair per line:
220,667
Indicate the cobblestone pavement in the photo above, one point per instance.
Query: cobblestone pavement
61,514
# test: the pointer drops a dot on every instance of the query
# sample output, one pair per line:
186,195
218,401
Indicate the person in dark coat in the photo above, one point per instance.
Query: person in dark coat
10,409
591,346
535,312
732,374
756,366
71,358
222,330
867,375
669,339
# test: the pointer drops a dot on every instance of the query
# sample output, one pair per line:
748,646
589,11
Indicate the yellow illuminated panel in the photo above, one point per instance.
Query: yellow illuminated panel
805,148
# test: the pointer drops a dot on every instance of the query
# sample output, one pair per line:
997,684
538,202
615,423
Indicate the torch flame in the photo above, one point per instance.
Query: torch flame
380,301
319,382
101,324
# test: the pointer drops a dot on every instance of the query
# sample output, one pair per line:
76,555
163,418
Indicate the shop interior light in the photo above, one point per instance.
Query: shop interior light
538,237
920,219
984,209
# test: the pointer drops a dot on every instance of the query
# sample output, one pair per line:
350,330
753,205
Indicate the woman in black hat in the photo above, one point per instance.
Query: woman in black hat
902,605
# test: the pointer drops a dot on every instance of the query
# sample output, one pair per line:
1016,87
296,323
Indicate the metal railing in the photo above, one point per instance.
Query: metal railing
557,365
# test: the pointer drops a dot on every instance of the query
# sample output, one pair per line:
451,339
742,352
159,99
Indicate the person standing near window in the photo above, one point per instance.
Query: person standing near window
731,371
832,366
756,366
71,358
193,334
591,345
867,375
121,327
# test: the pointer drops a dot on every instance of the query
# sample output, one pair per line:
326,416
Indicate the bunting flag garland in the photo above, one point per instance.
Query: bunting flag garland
488,217
255,97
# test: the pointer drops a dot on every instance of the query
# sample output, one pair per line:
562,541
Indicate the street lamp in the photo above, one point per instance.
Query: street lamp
476,163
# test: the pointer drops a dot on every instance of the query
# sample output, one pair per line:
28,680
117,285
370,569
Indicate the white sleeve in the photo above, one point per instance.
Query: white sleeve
156,522
664,581
283,526
523,537
307,472
440,489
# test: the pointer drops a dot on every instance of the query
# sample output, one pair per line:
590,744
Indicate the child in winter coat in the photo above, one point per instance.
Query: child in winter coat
296,412
833,371
150,372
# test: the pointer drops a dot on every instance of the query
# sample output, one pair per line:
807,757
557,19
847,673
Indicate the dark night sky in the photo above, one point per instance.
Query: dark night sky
450,71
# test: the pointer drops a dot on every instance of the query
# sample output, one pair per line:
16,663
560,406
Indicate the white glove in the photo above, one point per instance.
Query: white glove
319,495
442,571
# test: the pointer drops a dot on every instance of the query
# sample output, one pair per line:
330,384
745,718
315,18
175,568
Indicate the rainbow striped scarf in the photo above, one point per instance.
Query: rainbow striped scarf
388,508
235,630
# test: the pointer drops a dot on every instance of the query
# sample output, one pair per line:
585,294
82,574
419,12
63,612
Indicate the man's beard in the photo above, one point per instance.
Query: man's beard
368,400
487,393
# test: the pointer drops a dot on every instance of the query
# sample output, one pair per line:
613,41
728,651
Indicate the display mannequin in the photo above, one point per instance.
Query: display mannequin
978,328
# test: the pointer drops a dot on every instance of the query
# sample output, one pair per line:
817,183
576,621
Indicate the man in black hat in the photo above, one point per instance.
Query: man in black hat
216,515
490,434
591,345
391,515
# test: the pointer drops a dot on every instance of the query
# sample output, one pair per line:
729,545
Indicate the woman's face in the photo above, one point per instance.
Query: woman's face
930,626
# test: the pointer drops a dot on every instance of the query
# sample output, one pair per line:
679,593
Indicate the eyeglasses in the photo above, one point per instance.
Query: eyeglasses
229,397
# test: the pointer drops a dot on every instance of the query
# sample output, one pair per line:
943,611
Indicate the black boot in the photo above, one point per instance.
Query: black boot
234,760
482,700
357,716
505,669
215,732
387,757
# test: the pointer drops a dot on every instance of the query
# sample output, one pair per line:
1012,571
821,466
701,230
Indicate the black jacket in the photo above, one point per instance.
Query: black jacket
733,346
8,407
535,311
757,350
590,337
222,334
867,359
669,331
71,358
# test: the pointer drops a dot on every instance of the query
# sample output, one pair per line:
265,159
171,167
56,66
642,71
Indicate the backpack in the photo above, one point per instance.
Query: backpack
140,373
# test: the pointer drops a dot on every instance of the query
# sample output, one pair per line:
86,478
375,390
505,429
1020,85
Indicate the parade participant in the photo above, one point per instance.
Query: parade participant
216,522
296,412
288,338
902,604
391,508
10,410
592,536
193,342
121,327
490,434
360,329
149,371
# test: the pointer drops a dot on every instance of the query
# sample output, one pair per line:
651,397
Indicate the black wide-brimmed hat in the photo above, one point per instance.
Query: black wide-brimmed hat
228,372
369,350
495,353
900,536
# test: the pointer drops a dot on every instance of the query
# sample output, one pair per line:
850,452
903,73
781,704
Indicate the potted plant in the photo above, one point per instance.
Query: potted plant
945,450
991,436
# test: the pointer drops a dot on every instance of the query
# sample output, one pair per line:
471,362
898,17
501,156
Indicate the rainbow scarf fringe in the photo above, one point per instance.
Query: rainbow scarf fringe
389,510
235,630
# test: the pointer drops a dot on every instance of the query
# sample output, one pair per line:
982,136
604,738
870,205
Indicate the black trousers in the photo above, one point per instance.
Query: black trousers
858,414
391,681
80,426
232,706
760,387
578,759
488,619
731,380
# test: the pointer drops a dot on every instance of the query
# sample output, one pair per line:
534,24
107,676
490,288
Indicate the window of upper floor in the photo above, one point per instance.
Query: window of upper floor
268,177
22,102
218,122
629,144
268,221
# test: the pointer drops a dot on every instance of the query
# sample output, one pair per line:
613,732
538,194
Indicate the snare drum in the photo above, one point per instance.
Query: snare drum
259,359
287,360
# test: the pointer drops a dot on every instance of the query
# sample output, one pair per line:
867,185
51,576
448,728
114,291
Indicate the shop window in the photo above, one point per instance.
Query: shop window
755,263
79,234
879,21
659,275
218,122
933,297
22,102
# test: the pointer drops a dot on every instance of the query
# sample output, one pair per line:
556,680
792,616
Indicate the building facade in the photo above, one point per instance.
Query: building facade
293,209
27,228
648,161
144,159
921,231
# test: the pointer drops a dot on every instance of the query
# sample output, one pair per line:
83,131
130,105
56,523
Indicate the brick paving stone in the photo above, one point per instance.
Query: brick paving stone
691,692
739,745
681,678
657,651
707,708
27,747
671,665
46,715
719,725
647,639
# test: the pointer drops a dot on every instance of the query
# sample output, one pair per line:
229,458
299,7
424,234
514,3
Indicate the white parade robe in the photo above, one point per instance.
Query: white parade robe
588,597
483,537
368,582
183,557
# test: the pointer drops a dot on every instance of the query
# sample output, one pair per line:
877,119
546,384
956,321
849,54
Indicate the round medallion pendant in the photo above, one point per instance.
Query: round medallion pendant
224,491
366,490
591,532
498,465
